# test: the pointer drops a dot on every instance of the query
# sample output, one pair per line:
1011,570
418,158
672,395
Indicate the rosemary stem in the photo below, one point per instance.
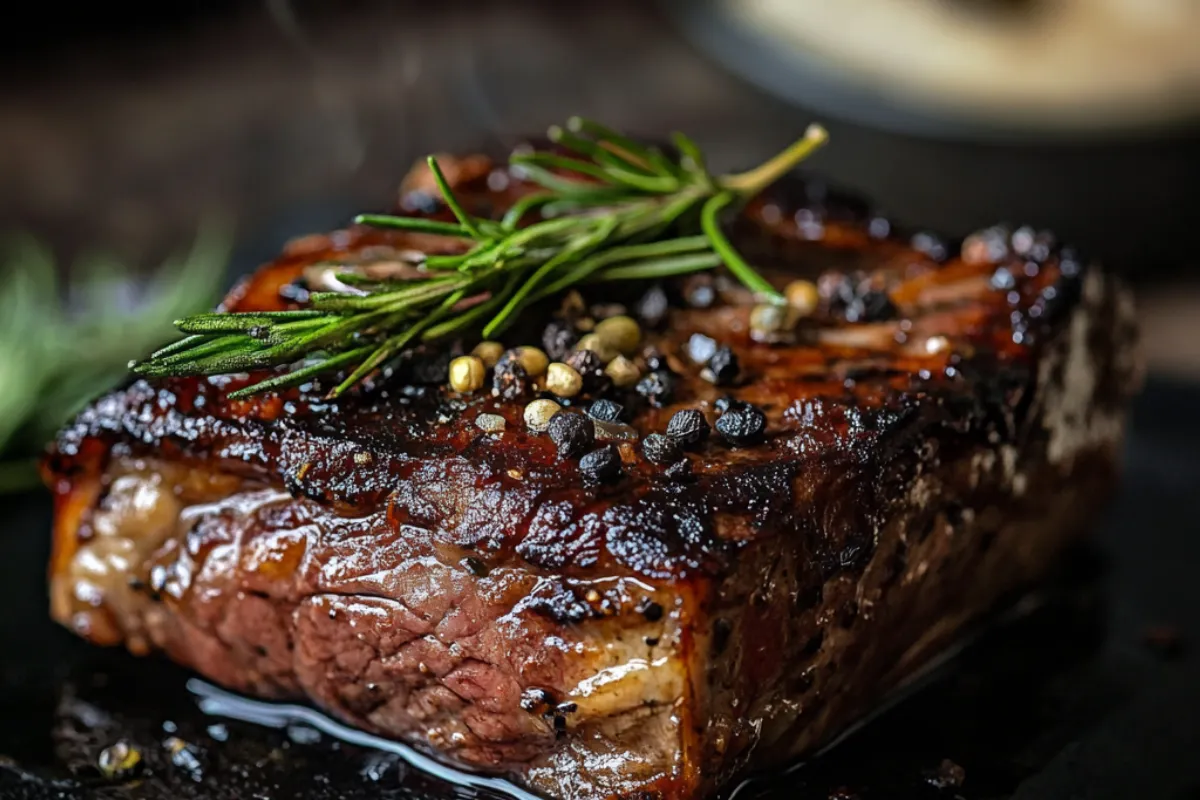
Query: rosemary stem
750,183
735,263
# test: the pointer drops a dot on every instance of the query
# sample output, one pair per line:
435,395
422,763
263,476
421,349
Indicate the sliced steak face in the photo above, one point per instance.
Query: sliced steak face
935,433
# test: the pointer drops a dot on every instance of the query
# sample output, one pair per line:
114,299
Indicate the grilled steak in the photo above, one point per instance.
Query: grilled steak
659,615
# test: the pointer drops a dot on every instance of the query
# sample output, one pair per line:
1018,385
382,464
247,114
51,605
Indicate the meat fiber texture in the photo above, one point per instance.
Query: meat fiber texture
937,431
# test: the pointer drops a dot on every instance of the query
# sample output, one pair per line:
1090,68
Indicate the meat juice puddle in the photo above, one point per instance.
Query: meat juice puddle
217,702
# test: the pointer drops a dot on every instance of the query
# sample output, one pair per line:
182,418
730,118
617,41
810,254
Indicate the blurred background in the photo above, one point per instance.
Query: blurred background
147,154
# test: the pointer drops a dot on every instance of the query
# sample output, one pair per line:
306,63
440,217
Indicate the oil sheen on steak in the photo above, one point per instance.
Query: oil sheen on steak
936,433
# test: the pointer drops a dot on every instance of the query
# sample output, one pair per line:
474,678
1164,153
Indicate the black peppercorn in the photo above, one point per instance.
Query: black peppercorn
589,366
870,306
571,432
688,427
510,381
602,465
651,309
681,470
723,366
557,340
742,424
655,360
658,387
606,411
661,449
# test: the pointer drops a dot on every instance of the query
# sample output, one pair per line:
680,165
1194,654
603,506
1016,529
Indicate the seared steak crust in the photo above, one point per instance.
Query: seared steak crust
936,432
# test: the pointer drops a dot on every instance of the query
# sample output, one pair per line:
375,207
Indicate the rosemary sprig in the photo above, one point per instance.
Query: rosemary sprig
609,209
46,376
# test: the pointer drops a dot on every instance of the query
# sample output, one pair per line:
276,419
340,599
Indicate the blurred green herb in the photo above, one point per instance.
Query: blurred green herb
60,346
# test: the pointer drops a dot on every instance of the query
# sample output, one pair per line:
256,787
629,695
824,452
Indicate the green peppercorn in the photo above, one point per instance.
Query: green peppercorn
621,333
539,413
601,348
623,372
563,380
488,352
467,373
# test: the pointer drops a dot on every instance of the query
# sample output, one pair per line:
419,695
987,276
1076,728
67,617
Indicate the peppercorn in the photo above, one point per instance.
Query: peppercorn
557,340
467,373
592,342
539,413
651,309
742,424
509,379
873,305
688,427
563,380
661,449
658,387
621,333
802,296
767,319
590,368
622,372
723,367
571,432
489,353
533,360
606,411
724,403
602,464
655,360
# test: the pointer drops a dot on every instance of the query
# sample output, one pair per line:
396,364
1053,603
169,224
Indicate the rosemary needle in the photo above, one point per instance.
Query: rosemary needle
608,208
